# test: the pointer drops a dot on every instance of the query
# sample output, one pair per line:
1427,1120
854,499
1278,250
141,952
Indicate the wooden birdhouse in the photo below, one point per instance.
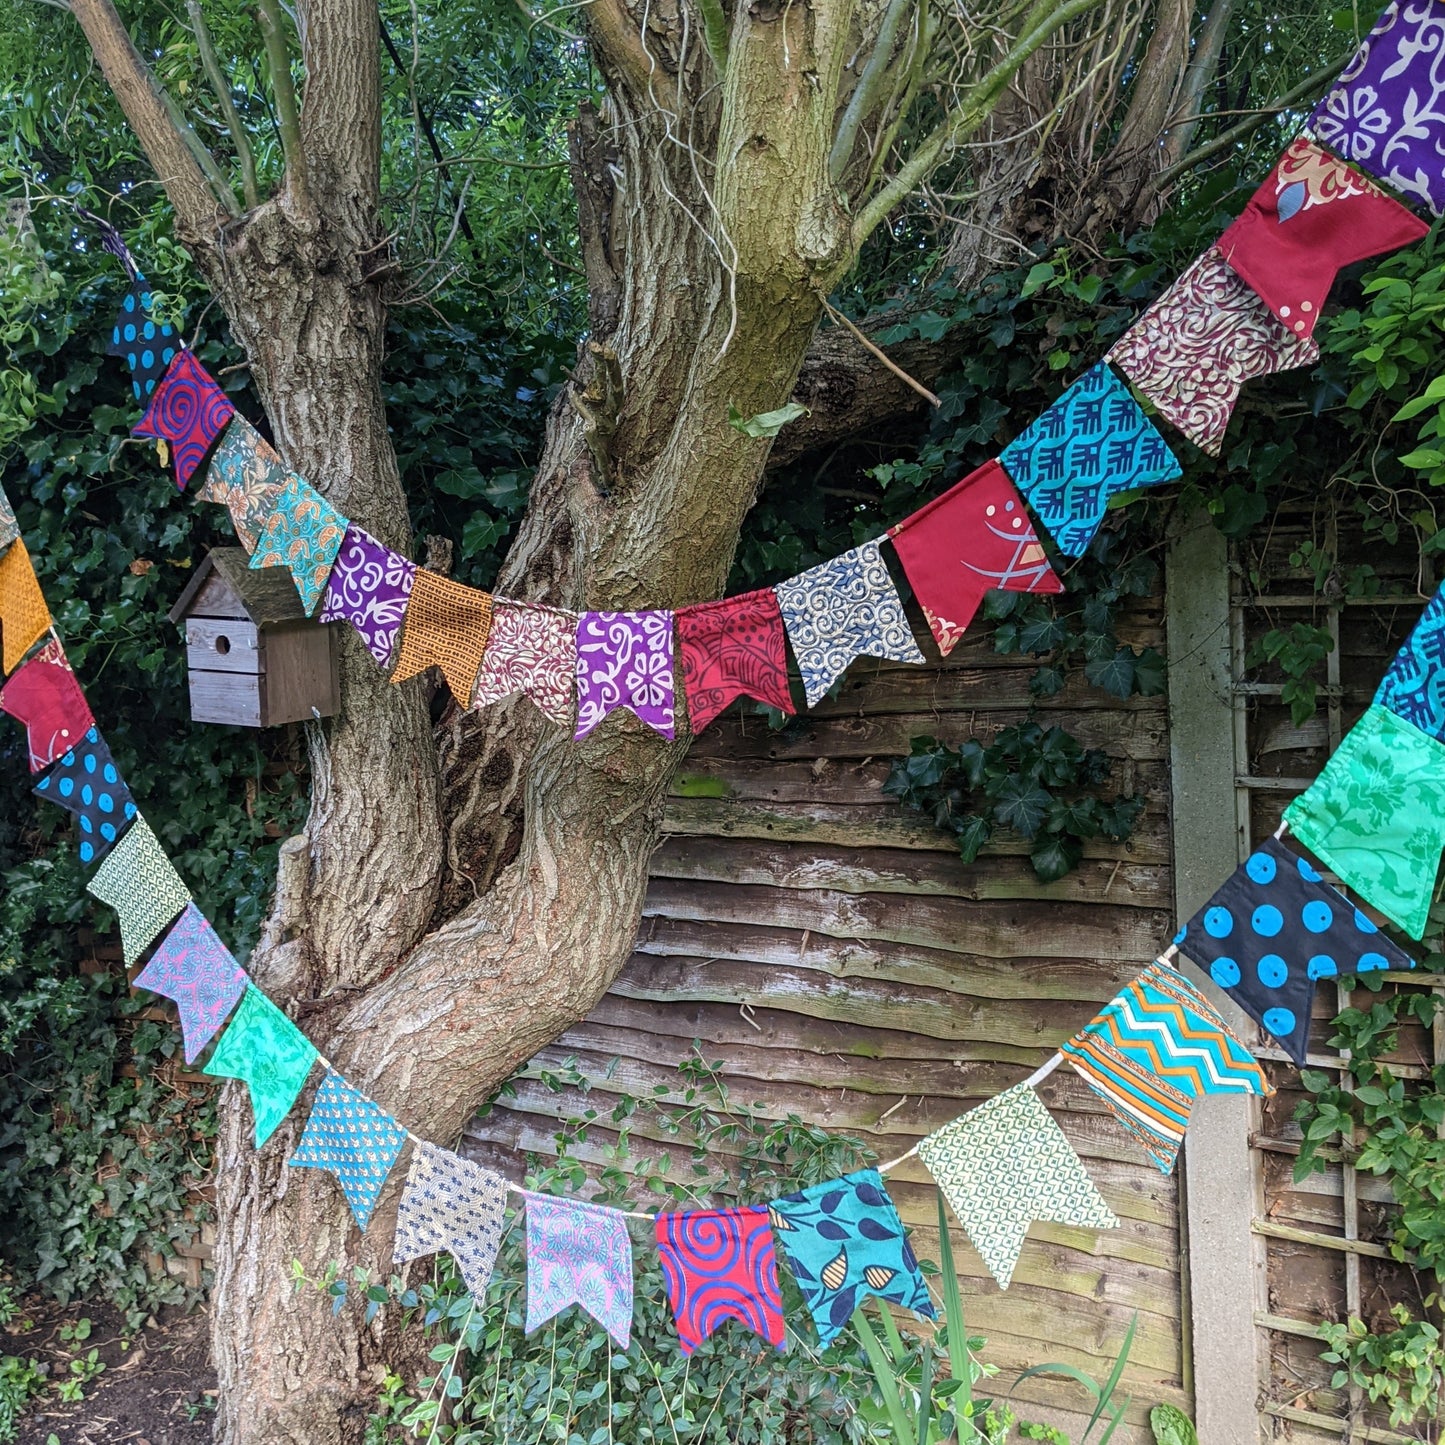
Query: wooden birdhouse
253,656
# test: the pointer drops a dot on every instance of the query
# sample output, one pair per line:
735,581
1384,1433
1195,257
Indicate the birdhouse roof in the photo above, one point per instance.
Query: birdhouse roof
266,595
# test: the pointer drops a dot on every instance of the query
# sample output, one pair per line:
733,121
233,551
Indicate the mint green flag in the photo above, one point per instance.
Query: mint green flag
263,1047
1376,815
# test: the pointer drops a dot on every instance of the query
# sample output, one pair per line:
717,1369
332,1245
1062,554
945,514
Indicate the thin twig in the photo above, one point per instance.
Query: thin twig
882,356
222,87
283,88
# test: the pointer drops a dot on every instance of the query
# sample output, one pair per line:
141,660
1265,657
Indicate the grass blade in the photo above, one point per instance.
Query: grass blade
1112,1383
884,1374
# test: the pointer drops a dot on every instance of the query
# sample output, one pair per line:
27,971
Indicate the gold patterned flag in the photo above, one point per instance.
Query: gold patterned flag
24,617
446,624
137,880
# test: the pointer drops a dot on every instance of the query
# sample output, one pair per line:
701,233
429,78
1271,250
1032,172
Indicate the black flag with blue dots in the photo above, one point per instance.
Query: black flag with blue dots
1273,931
148,345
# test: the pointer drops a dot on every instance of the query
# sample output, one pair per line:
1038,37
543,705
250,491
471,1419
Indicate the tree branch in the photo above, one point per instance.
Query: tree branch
860,103
203,158
618,44
195,204
222,88
288,116
1202,65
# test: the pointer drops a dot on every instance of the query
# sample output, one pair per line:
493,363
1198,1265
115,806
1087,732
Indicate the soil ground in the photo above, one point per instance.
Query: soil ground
157,1388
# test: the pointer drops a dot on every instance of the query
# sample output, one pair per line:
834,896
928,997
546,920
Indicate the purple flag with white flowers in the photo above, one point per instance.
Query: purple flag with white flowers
625,659
368,588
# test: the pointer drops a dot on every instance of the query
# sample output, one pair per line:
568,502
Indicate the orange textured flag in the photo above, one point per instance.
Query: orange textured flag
24,616
446,624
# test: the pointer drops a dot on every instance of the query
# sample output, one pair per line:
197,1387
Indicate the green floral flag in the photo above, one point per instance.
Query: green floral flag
9,531
1376,815
1004,1165
263,1047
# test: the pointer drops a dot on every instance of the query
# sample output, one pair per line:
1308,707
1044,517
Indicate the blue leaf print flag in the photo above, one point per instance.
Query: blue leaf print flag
844,1242
350,1136
1414,687
1093,443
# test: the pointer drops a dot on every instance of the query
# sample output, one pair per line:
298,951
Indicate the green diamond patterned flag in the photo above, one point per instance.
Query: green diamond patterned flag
352,1137
137,880
263,1047
1004,1165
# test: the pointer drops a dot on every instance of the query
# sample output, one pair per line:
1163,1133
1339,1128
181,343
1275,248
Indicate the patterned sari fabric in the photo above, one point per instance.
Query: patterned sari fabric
195,969
1004,1165
1386,112
24,617
625,659
580,1254
719,1265
147,345
304,533
1272,931
447,625
972,539
46,698
1196,346
369,588
246,477
354,1139
1092,444
1155,1048
844,1241
85,781
452,1204
1312,216
1376,816
729,649
265,1049
841,610
189,411
137,880
533,650
9,527
1414,687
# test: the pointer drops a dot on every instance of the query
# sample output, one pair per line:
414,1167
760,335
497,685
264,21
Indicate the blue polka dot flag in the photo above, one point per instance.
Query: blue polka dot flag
85,781
1273,931
1092,444
354,1139
147,346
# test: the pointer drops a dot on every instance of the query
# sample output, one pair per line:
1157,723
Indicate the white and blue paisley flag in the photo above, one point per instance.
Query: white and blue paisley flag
450,1203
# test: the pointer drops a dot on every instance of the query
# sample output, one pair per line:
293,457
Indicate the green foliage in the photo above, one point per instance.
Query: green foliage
1400,1369
1171,1426
21,1381
1297,650
1029,780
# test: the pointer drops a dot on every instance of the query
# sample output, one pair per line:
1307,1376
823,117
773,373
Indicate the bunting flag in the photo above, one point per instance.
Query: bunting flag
973,539
1092,444
445,624
1376,815
1386,112
844,1241
246,476
111,241
531,649
1312,216
729,649
625,659
369,588
9,527
46,698
1273,931
265,1049
188,410
452,1204
840,610
1004,1165
85,781
303,533
148,346
1414,687
1195,347
137,880
24,617
719,1265
1155,1048
352,1138
195,969
578,1253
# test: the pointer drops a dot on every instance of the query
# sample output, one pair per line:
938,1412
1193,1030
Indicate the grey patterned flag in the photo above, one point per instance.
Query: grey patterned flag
452,1204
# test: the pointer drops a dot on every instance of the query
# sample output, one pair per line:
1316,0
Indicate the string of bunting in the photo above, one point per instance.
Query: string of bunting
1375,817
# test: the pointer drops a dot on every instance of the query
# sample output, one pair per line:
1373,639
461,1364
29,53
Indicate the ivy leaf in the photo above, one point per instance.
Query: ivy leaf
1021,806
1042,634
765,423
1149,673
1054,857
1114,674
973,833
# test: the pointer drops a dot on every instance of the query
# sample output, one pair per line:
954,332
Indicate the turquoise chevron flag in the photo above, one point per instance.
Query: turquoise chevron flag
353,1138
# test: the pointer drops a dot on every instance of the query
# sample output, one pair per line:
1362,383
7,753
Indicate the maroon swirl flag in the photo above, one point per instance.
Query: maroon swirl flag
733,648
719,1265
189,411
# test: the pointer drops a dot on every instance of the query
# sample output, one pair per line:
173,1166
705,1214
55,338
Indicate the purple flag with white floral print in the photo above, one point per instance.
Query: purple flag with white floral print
193,967
625,659
369,587
580,1254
